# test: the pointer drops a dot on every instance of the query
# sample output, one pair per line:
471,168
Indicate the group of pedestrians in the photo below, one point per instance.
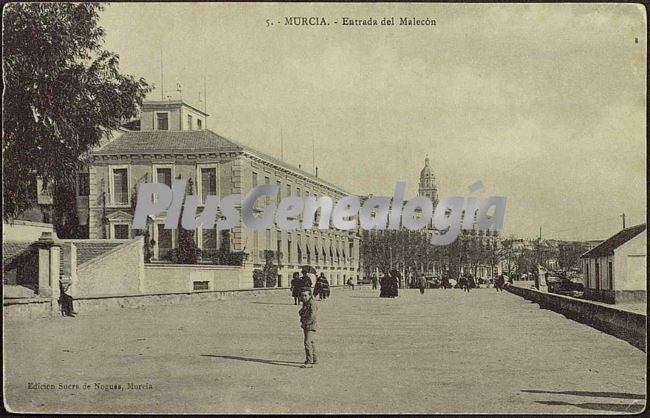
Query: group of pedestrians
389,285
304,282
466,282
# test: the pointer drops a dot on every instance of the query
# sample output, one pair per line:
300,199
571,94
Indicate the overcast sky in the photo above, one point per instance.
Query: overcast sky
543,103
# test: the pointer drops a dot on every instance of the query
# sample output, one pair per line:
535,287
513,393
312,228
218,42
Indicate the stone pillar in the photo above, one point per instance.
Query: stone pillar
246,273
69,260
55,270
44,272
49,262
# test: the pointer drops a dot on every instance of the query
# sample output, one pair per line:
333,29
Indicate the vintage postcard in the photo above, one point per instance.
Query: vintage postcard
324,208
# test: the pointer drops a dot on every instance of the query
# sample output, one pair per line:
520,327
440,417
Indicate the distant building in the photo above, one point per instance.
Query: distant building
174,143
615,270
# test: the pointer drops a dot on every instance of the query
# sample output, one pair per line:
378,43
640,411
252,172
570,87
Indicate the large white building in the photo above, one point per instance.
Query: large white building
172,143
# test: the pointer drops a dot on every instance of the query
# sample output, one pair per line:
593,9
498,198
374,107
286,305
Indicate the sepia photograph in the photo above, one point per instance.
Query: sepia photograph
324,208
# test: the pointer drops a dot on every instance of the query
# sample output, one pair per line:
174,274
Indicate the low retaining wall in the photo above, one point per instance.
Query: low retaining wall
44,308
177,278
629,326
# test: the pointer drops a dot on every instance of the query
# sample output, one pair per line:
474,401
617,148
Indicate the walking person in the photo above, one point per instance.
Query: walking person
383,286
463,283
308,323
318,288
296,287
306,280
351,283
324,286
470,282
499,282
422,284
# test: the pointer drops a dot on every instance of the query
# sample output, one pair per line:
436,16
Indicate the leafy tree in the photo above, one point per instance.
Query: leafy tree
569,255
63,92
270,270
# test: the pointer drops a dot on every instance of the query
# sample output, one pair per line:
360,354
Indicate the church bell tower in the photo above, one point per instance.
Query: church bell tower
427,186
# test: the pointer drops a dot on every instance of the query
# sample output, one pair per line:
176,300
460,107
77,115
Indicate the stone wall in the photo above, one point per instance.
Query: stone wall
629,326
172,278
24,230
118,272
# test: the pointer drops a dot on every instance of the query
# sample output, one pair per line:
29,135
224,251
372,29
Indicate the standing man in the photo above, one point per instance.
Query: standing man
422,284
308,324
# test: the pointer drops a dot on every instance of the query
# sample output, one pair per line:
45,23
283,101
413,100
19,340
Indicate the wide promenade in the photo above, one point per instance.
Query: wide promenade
442,352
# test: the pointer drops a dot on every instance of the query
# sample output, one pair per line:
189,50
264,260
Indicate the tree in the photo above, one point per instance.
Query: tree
63,92
569,255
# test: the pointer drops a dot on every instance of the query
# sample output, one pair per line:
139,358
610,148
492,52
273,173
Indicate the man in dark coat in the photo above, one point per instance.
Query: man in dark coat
66,301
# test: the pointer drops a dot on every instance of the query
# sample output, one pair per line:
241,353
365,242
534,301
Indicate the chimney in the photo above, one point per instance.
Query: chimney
316,171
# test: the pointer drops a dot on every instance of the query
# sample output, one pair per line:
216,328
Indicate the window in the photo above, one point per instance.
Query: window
279,249
165,241
268,239
84,184
288,190
120,231
610,276
267,199
299,255
587,273
189,122
308,256
209,244
597,275
298,192
254,179
119,185
164,175
162,121
289,260
277,183
199,124
200,286
208,181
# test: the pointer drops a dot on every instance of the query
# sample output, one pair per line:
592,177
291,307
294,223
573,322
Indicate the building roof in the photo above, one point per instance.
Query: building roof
173,102
608,246
13,251
165,142
192,142
89,250
426,171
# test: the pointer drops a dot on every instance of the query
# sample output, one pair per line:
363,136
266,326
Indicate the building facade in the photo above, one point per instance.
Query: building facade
173,143
615,270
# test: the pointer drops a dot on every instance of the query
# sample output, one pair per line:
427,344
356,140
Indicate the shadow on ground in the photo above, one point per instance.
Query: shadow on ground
621,395
258,360
274,303
612,407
